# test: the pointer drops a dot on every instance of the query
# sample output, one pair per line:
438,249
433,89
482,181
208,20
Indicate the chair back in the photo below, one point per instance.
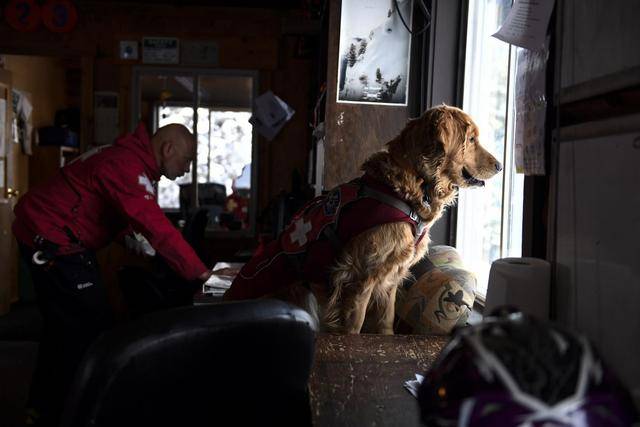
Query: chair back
238,363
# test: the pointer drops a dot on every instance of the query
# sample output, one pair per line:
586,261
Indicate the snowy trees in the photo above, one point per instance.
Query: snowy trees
363,47
389,88
356,53
351,55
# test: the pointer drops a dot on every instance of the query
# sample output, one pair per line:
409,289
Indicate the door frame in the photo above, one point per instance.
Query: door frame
138,71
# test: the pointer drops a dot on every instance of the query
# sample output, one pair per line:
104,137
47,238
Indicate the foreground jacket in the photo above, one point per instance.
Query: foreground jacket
307,248
97,197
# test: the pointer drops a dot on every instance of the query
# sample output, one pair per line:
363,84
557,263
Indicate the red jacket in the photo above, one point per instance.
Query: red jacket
308,246
98,196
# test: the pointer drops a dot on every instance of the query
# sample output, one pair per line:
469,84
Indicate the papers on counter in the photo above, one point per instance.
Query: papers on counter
217,285
220,281
413,385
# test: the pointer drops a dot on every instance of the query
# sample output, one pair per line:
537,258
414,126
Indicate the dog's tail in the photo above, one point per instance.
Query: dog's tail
342,276
331,313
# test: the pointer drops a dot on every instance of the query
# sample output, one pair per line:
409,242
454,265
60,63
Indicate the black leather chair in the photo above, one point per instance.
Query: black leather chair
239,363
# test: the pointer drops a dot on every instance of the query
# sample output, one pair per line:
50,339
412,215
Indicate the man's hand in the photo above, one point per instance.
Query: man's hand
205,276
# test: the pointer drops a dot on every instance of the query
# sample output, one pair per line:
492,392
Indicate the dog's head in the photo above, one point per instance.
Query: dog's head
443,148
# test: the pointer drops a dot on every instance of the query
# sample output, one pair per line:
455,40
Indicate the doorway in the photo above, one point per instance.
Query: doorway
215,105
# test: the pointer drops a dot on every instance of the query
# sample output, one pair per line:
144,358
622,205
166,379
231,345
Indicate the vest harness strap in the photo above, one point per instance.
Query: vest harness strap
401,205
364,190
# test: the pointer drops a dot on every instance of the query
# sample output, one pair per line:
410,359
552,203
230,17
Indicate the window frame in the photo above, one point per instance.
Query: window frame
508,152
195,74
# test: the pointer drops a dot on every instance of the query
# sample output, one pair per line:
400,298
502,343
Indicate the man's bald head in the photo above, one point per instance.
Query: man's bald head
174,147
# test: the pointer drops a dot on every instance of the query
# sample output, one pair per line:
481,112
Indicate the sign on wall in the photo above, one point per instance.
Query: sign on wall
160,50
23,15
373,58
59,16
128,49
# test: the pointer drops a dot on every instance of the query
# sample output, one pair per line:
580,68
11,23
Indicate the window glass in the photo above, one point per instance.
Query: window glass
216,106
490,219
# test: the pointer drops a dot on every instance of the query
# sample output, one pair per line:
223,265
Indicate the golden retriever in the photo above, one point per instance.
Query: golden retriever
424,166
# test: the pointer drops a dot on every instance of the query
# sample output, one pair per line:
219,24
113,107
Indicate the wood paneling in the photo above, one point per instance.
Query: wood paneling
44,79
611,104
598,39
598,246
353,131
246,38
289,150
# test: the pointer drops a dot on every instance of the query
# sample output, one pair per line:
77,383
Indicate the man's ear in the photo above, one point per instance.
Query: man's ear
167,149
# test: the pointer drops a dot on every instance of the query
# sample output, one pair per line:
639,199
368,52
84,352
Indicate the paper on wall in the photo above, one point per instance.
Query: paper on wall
531,107
106,118
23,131
526,24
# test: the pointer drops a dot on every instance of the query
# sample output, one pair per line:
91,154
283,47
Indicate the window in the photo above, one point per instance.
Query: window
489,224
216,106
224,150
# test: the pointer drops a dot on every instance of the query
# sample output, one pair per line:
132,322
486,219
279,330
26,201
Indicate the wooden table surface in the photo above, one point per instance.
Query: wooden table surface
357,380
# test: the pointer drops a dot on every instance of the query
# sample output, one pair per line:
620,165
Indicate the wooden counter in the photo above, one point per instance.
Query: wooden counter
357,380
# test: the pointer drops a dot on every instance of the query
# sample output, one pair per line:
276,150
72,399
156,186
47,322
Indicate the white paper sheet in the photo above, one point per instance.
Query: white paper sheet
531,107
220,281
23,108
412,386
270,114
106,118
527,22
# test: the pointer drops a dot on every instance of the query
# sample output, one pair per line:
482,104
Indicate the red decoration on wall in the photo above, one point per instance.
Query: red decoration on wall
22,15
59,16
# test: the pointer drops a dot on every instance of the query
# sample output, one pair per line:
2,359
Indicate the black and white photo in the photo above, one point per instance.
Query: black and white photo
373,59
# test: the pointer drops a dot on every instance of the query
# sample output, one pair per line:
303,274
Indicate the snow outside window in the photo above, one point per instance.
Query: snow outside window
224,150
490,219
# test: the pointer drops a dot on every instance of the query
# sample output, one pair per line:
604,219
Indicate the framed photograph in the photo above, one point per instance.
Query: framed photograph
129,50
374,52
160,50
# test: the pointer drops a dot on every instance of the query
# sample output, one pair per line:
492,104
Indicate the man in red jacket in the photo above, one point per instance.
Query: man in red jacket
59,225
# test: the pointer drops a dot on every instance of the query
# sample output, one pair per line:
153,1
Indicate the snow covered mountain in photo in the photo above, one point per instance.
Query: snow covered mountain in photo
374,66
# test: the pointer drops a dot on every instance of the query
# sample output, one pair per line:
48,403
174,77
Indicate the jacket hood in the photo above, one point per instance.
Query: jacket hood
140,143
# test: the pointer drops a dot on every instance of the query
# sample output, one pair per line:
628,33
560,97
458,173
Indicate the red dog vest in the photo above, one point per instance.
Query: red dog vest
307,247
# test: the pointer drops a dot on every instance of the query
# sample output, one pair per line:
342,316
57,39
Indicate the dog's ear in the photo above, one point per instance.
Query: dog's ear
436,131
448,127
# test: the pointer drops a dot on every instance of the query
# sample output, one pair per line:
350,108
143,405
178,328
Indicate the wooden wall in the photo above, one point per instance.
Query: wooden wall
599,39
594,228
247,38
353,131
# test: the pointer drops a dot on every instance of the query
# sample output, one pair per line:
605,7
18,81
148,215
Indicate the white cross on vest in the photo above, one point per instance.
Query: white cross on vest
299,234
146,183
